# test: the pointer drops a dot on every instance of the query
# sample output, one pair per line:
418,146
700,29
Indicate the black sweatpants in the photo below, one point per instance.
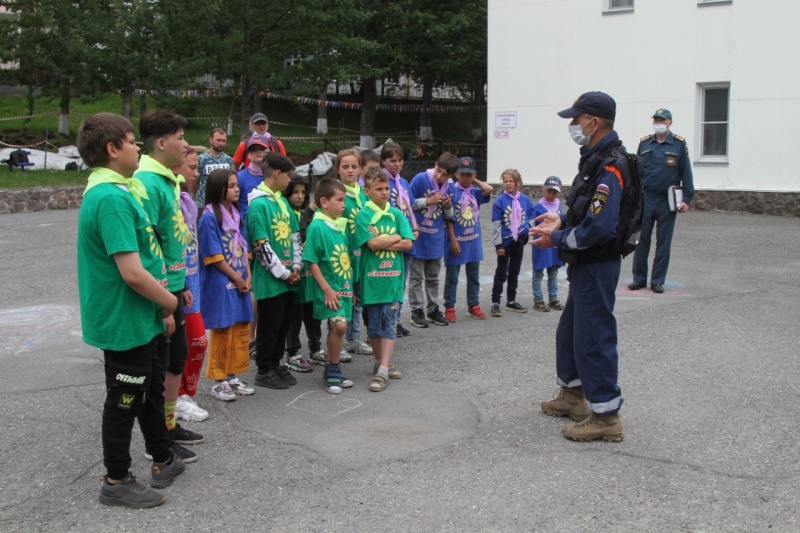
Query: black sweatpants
274,320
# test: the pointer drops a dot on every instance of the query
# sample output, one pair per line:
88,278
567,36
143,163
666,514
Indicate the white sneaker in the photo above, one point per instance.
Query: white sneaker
318,357
187,409
222,391
345,357
359,347
240,387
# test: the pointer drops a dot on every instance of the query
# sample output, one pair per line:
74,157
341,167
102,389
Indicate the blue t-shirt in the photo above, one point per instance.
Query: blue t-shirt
467,228
393,199
222,304
193,273
247,182
544,258
501,211
430,243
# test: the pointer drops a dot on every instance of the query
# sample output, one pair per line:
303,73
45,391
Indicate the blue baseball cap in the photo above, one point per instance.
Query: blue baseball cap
466,165
552,183
662,113
592,103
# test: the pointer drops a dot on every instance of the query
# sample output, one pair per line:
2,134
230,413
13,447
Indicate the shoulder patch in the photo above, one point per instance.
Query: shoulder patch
679,138
646,137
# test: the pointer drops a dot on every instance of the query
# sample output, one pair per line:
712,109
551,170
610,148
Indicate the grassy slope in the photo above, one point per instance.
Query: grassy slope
301,120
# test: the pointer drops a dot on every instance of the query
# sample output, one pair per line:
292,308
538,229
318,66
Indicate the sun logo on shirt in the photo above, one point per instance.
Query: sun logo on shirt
233,251
281,229
393,199
179,228
385,230
436,212
154,246
351,221
340,260
466,217
507,217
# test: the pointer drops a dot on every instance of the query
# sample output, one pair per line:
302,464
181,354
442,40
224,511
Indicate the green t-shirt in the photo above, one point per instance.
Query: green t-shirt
163,208
381,279
351,209
328,248
114,316
266,220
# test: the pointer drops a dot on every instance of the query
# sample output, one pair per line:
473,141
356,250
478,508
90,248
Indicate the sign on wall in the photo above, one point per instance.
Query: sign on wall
505,119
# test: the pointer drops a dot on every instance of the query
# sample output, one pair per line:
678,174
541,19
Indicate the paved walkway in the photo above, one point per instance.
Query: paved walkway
708,370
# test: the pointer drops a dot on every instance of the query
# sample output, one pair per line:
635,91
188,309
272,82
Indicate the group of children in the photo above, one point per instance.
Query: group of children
260,249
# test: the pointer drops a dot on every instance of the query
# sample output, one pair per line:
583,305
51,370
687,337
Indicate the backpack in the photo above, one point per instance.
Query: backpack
629,226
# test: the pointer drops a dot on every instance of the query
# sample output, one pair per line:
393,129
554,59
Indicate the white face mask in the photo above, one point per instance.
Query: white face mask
576,132
660,129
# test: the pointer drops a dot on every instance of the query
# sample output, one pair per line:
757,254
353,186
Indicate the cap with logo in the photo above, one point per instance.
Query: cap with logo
552,183
592,103
257,139
466,165
258,117
662,113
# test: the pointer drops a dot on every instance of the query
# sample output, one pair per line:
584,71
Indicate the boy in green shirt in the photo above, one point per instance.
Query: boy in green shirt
124,306
162,136
274,236
383,234
327,256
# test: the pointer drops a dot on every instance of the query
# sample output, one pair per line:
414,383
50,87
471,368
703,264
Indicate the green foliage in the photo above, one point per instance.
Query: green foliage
41,178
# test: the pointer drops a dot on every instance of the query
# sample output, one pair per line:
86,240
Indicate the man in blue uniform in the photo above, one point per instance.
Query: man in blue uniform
586,338
665,157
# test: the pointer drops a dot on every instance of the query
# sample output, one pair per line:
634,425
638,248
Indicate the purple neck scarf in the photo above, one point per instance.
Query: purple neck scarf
468,199
402,199
254,170
189,209
552,207
230,224
435,187
516,214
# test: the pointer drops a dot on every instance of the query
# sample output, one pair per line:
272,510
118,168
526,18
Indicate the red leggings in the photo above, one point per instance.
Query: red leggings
196,337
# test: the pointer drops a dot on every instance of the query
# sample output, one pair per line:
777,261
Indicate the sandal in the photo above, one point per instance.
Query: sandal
539,305
555,304
379,383
332,376
394,373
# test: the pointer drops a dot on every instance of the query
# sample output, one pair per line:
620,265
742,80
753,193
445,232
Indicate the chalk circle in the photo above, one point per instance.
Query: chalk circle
322,403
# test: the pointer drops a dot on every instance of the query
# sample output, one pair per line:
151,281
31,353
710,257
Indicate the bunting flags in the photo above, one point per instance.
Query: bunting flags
333,104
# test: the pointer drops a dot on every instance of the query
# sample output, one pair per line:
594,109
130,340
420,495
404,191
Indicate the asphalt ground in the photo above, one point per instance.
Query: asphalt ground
708,371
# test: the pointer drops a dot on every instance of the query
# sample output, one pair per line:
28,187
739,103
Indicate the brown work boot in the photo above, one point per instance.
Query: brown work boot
567,402
595,427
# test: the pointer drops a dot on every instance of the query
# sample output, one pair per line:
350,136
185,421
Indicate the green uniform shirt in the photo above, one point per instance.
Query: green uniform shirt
266,220
114,316
381,279
329,248
351,209
163,208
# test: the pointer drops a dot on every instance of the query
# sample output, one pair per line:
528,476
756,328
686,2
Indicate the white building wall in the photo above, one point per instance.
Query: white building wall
544,53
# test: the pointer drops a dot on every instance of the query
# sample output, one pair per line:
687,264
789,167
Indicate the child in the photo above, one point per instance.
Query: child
303,309
400,197
547,258
382,233
274,234
327,256
162,136
185,407
511,213
432,206
225,272
369,159
347,168
251,176
463,245
124,306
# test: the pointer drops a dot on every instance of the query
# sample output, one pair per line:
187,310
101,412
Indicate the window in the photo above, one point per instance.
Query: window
617,6
714,122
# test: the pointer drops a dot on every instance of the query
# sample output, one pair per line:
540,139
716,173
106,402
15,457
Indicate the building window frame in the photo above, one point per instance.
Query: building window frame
701,3
711,126
609,7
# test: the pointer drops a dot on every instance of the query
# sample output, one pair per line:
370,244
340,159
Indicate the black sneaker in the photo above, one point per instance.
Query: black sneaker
285,375
186,455
495,311
271,380
401,331
162,474
437,318
418,319
181,435
514,306
129,493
